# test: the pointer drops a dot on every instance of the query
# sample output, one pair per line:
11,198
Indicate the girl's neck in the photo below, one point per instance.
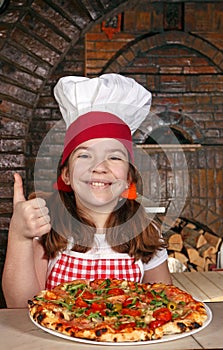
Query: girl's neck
100,231
99,220
98,217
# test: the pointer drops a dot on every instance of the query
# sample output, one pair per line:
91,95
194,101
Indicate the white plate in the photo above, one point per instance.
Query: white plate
164,339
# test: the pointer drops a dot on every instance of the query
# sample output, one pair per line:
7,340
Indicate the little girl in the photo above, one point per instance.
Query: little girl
91,226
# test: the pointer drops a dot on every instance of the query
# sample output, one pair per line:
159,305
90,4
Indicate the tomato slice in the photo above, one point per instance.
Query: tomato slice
79,302
149,295
162,314
85,295
116,291
127,302
155,324
98,306
131,312
126,325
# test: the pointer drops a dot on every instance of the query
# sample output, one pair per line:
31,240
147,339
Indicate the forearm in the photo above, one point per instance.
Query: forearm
19,280
25,268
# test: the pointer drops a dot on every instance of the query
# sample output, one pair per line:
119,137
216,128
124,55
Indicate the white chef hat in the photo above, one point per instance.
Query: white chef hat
108,106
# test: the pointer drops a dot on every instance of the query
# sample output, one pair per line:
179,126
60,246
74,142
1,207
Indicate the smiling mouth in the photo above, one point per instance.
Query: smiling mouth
98,184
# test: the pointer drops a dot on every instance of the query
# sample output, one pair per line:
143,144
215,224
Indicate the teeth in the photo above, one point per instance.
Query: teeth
98,184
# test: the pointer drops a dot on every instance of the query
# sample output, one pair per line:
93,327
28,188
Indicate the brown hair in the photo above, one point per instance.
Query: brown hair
141,235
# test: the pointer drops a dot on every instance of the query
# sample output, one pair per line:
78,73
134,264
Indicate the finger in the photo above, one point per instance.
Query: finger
42,211
42,230
37,203
40,226
44,220
36,212
18,190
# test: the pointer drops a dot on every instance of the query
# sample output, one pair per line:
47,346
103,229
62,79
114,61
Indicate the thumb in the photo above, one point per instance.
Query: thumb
18,190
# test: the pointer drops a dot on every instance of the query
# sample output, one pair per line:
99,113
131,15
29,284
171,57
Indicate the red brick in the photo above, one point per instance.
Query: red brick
24,59
100,55
12,145
44,32
211,193
218,183
96,37
42,51
6,207
18,93
143,21
12,161
12,127
57,19
4,223
129,21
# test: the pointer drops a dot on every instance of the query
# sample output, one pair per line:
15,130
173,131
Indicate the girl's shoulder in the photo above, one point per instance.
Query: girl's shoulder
158,258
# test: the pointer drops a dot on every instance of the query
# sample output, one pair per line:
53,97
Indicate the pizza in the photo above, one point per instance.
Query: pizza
112,310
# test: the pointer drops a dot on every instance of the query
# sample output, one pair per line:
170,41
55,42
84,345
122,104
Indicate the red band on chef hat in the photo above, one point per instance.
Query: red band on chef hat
93,125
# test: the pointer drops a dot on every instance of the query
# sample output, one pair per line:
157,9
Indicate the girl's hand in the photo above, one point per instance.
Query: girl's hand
30,217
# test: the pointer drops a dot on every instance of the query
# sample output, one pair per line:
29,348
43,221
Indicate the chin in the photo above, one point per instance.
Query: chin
103,203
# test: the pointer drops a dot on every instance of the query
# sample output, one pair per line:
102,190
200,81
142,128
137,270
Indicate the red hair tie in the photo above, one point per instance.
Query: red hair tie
61,186
130,193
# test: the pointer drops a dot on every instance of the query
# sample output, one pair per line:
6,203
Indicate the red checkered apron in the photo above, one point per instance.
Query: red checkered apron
68,268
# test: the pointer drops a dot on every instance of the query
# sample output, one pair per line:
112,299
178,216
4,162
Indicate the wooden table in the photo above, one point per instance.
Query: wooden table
17,332
205,286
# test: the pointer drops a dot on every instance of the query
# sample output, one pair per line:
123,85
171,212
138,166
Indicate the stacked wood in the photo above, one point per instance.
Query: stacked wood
195,247
175,241
212,240
192,237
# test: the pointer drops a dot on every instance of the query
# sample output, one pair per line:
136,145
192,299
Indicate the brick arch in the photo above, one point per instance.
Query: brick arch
34,41
125,63
167,38
176,120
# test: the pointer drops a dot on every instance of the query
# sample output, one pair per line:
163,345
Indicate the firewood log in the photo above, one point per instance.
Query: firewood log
212,240
194,256
206,250
181,257
208,264
192,237
175,241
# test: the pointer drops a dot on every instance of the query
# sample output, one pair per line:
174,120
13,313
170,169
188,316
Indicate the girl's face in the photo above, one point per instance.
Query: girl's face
98,173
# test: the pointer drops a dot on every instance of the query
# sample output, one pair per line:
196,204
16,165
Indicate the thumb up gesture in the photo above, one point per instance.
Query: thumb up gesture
30,217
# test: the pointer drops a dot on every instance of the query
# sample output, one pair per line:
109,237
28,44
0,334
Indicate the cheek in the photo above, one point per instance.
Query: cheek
122,173
73,175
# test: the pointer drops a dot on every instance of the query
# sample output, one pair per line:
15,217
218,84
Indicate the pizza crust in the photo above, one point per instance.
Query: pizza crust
107,334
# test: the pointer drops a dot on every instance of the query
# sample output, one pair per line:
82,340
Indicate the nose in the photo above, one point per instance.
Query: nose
99,166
